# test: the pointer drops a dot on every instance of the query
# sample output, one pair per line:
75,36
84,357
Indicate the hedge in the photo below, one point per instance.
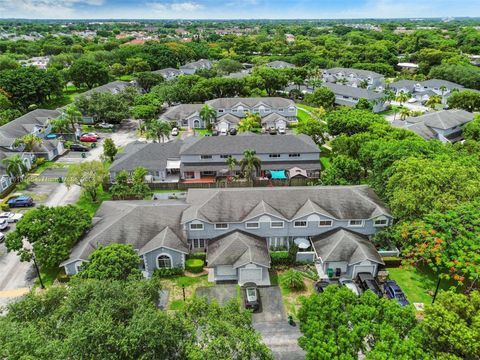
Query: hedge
280,258
392,261
167,272
198,255
194,265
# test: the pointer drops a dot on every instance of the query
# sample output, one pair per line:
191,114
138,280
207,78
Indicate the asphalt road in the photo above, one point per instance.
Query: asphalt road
17,277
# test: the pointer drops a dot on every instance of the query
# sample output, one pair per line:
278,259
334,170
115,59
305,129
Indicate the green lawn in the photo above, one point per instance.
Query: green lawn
302,115
202,132
67,97
48,276
91,128
49,165
417,284
88,205
325,161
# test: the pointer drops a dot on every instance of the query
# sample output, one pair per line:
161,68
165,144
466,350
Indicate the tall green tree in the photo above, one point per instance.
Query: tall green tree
28,141
109,149
15,167
249,123
208,115
250,164
89,175
321,97
158,130
88,72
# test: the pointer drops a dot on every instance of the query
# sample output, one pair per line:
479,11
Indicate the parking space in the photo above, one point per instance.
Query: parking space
220,292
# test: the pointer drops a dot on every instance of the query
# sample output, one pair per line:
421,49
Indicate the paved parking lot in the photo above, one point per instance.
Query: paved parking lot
221,292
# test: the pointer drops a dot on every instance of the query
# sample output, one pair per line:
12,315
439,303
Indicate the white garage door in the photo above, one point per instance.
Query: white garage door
363,268
281,124
250,275
222,126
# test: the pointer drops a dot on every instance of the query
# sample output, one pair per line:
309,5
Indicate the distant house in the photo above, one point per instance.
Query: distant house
354,77
349,96
185,115
445,125
279,65
203,159
169,73
423,90
113,87
407,66
193,67
238,228
5,180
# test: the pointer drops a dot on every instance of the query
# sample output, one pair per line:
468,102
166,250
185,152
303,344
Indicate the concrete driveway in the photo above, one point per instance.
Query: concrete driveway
271,323
220,292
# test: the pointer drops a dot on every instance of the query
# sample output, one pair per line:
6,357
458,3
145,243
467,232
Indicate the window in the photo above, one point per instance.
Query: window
185,122
325,223
205,156
355,223
221,226
164,261
293,155
196,226
220,110
252,225
276,224
300,224
274,155
189,175
380,222
197,243
208,173
224,156
280,109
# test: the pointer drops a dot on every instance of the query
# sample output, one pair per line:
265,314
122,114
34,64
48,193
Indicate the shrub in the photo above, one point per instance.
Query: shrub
392,261
67,144
194,265
198,255
166,272
293,280
292,253
38,161
280,258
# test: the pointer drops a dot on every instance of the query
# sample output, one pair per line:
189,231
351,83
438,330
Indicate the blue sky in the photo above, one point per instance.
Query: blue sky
234,9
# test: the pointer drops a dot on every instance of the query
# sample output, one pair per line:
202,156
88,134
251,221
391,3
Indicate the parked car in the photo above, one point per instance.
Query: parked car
393,291
174,132
214,132
20,201
348,283
321,285
411,100
104,125
2,237
272,131
368,282
3,224
252,298
233,131
10,217
281,130
223,132
51,136
78,147
88,138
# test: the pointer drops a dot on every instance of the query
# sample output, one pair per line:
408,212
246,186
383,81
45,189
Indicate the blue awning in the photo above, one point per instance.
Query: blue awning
278,174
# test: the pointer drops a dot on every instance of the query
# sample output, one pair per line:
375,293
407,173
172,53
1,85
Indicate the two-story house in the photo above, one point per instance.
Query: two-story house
354,77
445,125
193,67
169,73
204,159
349,96
238,228
423,90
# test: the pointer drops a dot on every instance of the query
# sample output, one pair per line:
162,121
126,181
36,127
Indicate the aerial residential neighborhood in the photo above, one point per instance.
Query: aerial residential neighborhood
239,180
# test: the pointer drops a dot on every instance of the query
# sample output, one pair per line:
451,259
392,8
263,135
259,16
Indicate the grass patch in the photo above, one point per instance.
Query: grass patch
92,128
175,287
49,165
177,305
291,298
202,132
325,161
85,203
302,115
418,284
126,78
48,276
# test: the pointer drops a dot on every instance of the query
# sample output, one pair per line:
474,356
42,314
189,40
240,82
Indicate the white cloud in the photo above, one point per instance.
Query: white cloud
43,8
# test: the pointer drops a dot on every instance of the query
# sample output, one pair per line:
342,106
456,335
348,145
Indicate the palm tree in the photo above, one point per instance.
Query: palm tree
443,89
231,162
363,84
15,167
158,130
72,114
297,80
433,101
250,165
28,141
402,98
208,115
404,113
249,122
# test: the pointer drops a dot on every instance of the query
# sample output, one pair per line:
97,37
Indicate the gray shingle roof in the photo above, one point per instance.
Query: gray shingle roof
168,71
112,87
151,156
237,249
273,102
356,72
273,117
345,245
436,83
279,64
351,91
232,119
182,111
403,84
25,124
142,224
234,205
262,144
200,64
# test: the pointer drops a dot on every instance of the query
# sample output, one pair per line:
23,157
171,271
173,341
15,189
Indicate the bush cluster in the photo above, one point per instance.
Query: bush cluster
194,265
167,272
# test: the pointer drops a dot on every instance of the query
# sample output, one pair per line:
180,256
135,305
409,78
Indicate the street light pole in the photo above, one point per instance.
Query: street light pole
436,290
38,273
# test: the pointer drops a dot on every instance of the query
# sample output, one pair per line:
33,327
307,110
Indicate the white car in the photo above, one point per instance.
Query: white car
281,130
348,283
223,132
412,100
10,217
3,224
104,125
174,132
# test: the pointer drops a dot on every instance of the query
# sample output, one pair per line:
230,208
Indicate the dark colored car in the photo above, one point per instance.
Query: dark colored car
233,131
20,201
321,285
78,147
368,282
252,298
393,291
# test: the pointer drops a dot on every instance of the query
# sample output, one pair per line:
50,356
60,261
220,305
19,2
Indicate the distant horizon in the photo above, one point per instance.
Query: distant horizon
235,9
